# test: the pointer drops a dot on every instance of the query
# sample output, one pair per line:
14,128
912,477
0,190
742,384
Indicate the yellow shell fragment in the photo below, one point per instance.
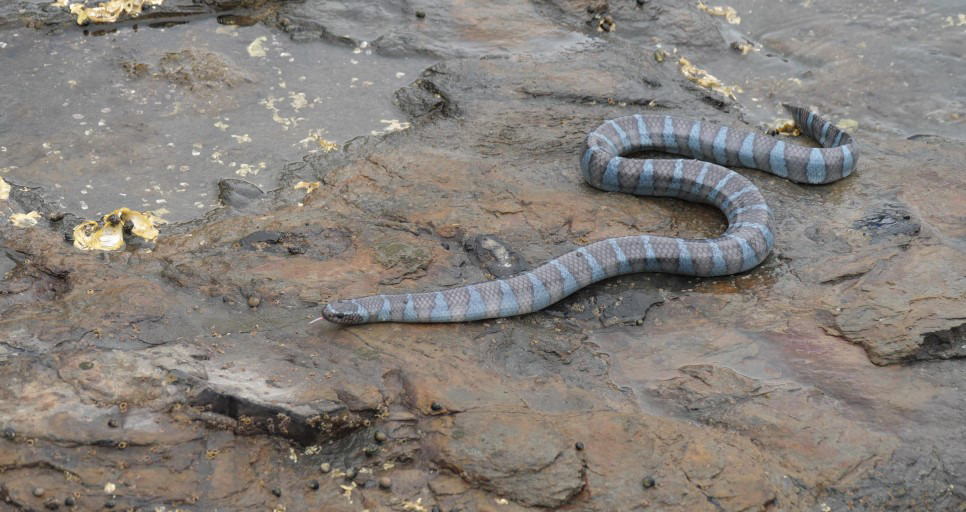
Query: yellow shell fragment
255,49
961,18
89,236
4,190
847,125
107,12
744,48
108,238
705,79
309,186
83,233
316,136
327,145
144,223
25,220
414,506
784,127
729,13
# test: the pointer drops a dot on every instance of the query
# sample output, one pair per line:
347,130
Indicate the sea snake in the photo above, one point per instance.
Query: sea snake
747,241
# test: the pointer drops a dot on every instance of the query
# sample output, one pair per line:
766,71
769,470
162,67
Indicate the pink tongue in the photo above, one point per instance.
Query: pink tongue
316,320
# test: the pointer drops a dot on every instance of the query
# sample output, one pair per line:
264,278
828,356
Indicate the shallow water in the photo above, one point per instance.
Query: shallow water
895,67
152,118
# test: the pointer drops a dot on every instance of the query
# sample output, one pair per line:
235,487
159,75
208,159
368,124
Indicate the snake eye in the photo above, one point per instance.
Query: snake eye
340,315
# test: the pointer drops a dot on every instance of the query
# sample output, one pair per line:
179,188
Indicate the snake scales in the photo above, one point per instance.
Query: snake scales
747,241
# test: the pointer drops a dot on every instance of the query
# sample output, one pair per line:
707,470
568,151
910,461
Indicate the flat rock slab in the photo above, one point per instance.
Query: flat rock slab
187,375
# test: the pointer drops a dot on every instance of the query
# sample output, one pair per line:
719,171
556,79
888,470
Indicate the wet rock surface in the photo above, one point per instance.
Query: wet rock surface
827,378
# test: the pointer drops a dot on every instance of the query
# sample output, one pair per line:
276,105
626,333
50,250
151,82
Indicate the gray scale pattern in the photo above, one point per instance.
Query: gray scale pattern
704,179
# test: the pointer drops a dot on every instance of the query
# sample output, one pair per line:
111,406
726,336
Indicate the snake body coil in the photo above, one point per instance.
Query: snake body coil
747,241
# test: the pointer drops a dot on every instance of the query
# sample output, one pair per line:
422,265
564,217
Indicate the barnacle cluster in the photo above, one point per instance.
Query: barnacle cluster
91,235
106,12
705,79
729,13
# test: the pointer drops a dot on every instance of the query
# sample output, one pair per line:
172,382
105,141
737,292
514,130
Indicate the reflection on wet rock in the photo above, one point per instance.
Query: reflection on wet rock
890,220
239,194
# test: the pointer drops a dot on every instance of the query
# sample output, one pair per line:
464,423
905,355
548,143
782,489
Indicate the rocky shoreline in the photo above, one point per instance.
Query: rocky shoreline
184,374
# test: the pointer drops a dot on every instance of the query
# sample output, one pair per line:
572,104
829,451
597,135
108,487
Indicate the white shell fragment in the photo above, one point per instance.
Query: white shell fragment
25,220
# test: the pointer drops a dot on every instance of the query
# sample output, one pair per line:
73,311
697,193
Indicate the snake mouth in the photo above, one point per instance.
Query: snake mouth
343,313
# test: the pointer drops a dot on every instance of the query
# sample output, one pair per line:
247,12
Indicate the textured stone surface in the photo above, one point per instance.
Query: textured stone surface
826,377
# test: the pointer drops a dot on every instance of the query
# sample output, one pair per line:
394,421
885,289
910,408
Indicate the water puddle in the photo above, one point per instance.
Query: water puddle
152,118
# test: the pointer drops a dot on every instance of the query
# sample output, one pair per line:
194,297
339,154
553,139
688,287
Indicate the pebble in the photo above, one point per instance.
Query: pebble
579,445
254,301
379,436
52,505
9,433
325,467
436,509
420,14
370,450
607,23
314,485
56,216
112,423
351,473
641,2
38,491
69,501
648,482
109,504
385,482
436,406
277,492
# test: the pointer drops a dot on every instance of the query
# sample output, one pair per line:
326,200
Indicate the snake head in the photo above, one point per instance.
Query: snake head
345,313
